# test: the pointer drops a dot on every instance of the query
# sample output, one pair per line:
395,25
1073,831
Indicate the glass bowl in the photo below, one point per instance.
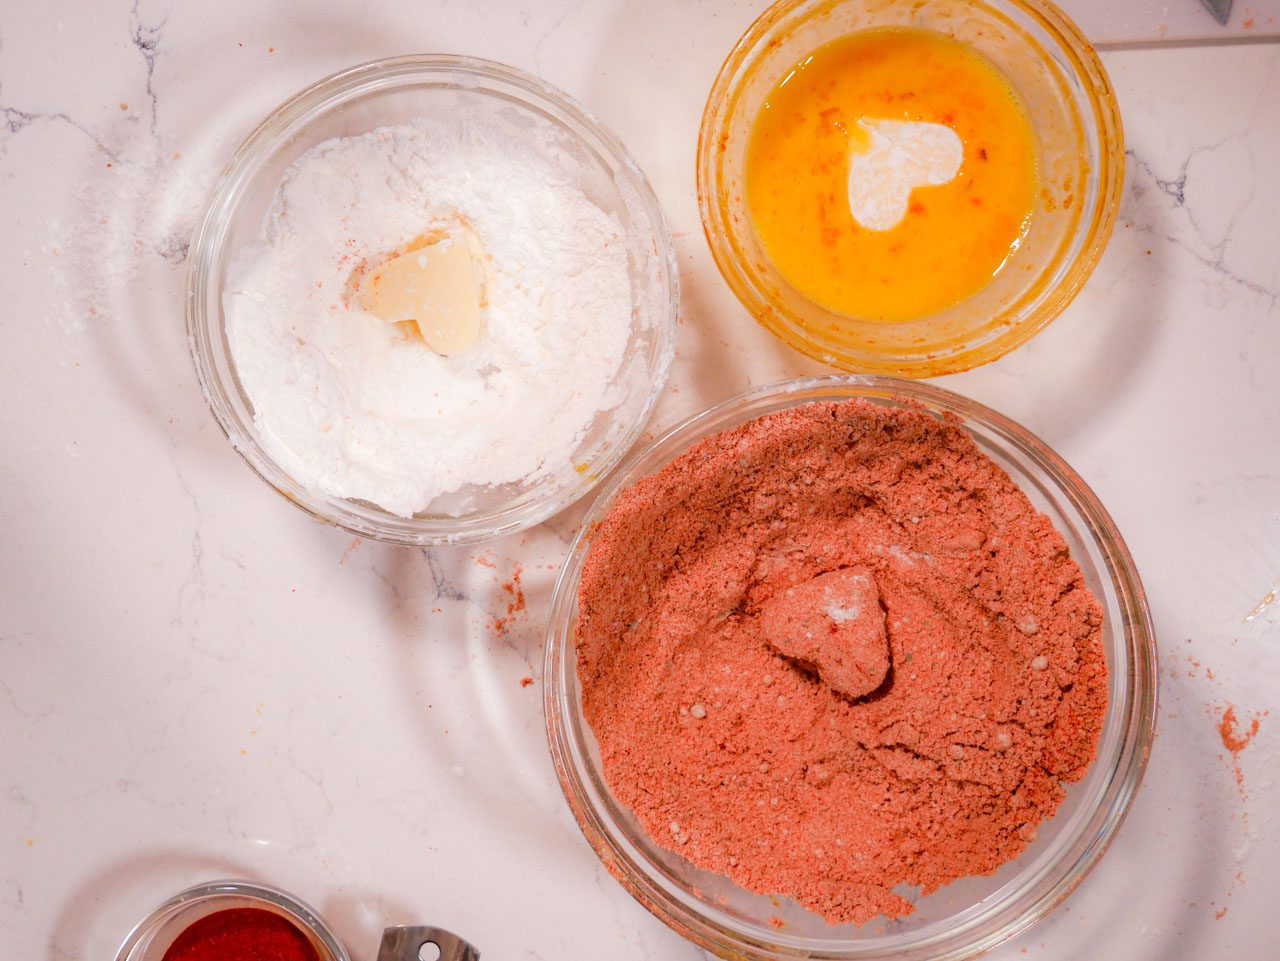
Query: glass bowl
395,91
1076,121
966,917
156,932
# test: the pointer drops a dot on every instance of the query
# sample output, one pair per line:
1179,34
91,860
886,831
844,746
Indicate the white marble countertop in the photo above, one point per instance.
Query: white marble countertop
196,680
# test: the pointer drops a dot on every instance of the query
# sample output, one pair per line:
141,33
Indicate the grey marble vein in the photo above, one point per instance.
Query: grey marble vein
146,37
16,121
1175,189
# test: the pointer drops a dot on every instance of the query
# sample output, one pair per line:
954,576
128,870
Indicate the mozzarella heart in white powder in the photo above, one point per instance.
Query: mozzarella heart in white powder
351,406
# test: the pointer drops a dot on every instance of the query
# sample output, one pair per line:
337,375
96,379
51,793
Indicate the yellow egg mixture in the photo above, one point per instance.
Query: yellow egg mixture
953,236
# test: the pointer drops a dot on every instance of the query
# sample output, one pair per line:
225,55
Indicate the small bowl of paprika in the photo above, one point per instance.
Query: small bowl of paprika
232,919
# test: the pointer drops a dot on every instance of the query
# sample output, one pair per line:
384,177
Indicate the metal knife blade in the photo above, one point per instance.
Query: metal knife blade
1221,9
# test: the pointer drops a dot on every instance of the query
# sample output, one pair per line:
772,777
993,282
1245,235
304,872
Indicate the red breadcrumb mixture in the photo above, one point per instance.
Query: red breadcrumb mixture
836,650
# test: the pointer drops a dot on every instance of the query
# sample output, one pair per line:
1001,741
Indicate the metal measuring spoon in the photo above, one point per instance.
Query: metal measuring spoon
405,942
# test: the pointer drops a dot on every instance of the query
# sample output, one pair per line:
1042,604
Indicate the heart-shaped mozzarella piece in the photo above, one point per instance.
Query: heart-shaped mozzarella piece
437,287
899,156
834,625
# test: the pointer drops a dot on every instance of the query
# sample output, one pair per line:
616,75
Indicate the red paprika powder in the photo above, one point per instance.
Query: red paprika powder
242,934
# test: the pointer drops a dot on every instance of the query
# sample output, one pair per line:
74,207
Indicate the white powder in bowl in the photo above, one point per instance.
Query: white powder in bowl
350,406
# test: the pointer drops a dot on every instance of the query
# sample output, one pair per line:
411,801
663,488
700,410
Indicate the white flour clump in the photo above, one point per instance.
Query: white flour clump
348,403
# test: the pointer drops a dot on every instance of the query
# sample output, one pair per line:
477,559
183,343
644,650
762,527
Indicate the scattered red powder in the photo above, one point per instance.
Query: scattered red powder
242,934
752,762
1231,890
513,588
526,681
515,606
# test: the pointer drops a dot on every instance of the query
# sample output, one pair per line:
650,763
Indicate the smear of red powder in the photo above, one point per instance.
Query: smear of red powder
351,548
1235,740
242,934
741,758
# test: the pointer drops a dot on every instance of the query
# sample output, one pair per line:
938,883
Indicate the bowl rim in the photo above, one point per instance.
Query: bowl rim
236,890
1135,628
448,71
1104,114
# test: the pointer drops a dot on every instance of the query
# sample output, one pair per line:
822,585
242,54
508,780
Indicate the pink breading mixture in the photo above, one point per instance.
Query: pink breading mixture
835,650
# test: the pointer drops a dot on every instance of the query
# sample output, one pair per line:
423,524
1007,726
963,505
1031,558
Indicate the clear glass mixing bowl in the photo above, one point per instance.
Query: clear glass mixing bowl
396,91
966,917
1080,142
